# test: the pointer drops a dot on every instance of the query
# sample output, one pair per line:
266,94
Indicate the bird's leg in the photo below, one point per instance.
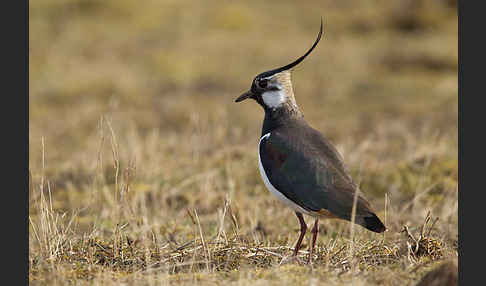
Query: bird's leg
303,229
315,231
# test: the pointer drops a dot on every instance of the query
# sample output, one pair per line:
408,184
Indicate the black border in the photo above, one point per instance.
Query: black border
16,79
15,139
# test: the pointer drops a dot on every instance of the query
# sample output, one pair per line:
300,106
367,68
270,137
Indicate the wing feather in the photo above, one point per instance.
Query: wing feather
310,172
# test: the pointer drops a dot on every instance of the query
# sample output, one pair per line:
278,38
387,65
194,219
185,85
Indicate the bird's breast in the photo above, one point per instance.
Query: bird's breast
269,185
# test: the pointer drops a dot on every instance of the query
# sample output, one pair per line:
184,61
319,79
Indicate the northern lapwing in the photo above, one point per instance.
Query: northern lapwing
298,164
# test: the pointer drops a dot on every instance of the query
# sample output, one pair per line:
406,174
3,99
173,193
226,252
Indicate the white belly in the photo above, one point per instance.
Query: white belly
271,188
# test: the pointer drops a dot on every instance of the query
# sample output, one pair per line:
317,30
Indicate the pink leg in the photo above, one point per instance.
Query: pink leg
303,229
315,231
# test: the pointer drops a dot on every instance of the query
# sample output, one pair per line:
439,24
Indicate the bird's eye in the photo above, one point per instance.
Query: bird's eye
262,83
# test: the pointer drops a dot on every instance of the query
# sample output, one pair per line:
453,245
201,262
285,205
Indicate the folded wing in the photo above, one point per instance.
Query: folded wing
312,174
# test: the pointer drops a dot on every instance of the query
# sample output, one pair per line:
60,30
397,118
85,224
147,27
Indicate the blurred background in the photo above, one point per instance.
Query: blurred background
132,107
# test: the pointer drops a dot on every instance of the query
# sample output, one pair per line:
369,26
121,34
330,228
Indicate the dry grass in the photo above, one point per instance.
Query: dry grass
143,170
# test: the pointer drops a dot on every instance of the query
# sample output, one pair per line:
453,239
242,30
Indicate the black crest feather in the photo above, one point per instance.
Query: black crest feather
296,62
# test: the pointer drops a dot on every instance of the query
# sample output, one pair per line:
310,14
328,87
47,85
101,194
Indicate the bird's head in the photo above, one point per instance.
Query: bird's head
273,89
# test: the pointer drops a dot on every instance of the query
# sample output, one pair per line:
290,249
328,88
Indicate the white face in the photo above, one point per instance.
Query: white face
274,98
276,90
277,96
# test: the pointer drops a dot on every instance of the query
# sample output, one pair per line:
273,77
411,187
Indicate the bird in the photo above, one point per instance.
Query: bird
298,164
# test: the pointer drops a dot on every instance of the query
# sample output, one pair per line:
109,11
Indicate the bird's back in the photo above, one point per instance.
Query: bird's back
306,168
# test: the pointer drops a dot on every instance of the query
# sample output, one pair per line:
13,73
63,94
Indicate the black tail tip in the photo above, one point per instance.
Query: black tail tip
373,223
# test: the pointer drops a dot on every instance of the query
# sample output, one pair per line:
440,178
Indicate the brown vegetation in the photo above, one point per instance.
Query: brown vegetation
143,170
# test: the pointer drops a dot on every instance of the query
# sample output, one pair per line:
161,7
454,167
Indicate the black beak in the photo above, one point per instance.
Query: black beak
244,96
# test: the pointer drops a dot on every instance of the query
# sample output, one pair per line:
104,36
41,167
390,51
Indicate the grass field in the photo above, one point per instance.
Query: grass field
144,171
